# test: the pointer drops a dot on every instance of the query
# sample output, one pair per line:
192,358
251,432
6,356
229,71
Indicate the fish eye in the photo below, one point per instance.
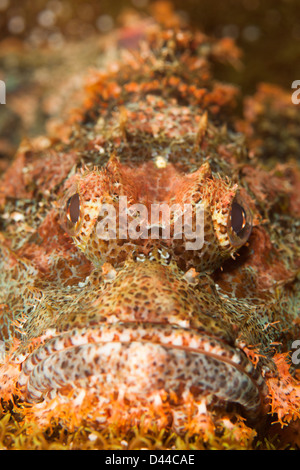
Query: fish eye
73,208
238,217
239,221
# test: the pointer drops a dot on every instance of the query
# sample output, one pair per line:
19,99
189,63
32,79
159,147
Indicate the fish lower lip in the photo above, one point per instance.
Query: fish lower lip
143,358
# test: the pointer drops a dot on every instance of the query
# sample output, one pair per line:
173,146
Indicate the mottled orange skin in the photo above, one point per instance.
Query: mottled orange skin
158,104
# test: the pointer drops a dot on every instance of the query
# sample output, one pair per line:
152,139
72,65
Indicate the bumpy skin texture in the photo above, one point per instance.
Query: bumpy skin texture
145,326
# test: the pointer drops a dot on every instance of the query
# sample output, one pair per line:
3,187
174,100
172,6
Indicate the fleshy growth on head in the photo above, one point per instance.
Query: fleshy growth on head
94,197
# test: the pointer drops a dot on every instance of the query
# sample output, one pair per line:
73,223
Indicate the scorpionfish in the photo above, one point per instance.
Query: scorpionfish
125,328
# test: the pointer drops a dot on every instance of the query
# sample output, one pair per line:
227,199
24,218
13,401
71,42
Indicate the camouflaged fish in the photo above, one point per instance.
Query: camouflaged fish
123,329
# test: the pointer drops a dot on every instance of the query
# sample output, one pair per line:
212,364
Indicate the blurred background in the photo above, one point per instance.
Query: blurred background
45,42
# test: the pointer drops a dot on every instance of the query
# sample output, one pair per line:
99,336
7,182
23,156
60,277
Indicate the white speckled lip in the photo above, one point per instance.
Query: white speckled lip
143,358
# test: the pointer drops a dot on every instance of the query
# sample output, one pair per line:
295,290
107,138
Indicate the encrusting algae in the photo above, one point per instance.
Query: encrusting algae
138,342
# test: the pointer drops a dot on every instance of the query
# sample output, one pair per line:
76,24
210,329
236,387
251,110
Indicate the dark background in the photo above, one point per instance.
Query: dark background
268,31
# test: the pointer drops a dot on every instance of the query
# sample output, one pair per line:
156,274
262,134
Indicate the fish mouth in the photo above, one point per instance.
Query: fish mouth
141,358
